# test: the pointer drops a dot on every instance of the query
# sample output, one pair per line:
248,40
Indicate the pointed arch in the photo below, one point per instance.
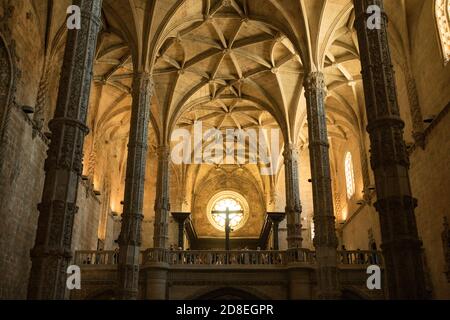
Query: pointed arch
442,13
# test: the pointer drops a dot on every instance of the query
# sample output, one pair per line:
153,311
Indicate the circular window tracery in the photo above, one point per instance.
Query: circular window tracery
237,210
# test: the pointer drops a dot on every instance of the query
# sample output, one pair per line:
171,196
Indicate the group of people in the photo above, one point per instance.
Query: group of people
242,256
359,257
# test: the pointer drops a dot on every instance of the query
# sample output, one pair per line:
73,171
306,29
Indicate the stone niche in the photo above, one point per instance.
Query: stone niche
239,182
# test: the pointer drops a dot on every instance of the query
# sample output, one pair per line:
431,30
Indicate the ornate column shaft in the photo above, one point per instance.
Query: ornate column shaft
162,205
325,240
130,234
389,160
52,253
293,204
276,218
180,218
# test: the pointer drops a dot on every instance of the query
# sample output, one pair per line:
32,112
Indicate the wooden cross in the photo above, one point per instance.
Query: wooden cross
227,224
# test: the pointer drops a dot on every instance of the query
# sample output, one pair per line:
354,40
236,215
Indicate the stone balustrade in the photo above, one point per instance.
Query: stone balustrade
222,257
92,257
360,257
243,257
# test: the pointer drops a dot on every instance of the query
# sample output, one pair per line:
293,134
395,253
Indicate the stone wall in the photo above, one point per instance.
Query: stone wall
22,178
85,229
430,182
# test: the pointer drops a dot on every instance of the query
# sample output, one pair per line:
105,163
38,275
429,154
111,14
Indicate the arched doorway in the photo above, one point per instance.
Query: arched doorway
228,294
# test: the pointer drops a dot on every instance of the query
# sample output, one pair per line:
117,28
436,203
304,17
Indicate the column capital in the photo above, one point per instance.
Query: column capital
276,217
315,81
163,152
290,152
143,82
181,217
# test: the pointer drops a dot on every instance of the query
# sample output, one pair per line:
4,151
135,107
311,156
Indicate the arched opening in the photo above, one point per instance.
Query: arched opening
349,175
228,294
442,12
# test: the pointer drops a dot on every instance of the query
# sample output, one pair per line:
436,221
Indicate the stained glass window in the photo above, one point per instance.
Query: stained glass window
442,11
349,175
219,209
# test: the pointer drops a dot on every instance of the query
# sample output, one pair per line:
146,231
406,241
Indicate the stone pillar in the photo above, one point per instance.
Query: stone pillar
293,205
156,278
276,218
130,234
325,240
162,205
180,218
52,253
389,160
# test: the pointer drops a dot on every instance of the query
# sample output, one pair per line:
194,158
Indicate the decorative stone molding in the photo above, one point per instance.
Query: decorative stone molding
431,127
10,74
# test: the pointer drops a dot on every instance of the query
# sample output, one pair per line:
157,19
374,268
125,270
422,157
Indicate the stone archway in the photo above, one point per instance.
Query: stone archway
105,294
228,293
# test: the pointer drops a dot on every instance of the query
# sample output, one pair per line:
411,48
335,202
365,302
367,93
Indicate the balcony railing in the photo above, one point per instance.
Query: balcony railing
217,258
221,258
360,257
96,257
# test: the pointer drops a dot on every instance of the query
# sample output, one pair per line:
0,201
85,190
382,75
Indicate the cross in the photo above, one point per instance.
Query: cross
227,224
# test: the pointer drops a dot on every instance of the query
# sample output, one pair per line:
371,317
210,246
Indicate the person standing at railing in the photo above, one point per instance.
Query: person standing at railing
360,257
345,259
245,256
374,255
180,255
98,256
116,256
189,258
257,256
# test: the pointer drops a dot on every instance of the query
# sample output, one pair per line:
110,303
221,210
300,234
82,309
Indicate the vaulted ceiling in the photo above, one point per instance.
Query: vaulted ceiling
234,64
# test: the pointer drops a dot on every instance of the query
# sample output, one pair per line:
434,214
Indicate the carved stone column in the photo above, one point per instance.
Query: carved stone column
52,253
293,205
325,240
276,218
389,160
130,234
162,205
180,218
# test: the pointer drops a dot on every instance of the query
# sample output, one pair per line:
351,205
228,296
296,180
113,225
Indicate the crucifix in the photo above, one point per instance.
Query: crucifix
228,229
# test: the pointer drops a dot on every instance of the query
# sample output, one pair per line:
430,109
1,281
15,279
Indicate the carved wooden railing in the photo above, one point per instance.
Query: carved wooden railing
360,257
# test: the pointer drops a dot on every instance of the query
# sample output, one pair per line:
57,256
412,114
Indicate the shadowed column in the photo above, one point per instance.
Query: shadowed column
276,218
162,205
389,158
130,234
293,205
180,218
52,253
325,240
